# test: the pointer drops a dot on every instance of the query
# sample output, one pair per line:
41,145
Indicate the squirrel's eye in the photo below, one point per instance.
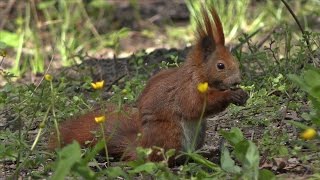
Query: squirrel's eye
220,66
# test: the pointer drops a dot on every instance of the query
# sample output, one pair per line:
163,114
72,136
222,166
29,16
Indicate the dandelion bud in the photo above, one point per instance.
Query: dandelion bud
48,77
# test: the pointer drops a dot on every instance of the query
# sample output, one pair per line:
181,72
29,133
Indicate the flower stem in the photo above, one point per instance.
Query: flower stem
40,130
54,114
105,143
199,124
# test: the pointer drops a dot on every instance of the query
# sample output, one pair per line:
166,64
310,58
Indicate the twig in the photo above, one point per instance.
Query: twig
245,41
273,52
298,23
114,82
260,44
37,86
49,65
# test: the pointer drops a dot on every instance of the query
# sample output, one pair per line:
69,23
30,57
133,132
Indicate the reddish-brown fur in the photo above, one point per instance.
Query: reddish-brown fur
170,106
121,126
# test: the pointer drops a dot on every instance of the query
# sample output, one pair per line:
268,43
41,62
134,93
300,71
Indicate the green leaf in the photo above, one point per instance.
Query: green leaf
201,160
97,148
83,170
148,167
316,121
234,136
67,157
247,153
227,163
9,38
298,124
116,172
297,80
265,174
315,91
3,45
45,4
309,82
99,3
283,150
305,116
170,153
312,77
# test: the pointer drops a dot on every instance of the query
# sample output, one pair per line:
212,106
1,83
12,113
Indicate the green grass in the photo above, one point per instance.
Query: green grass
278,75
66,30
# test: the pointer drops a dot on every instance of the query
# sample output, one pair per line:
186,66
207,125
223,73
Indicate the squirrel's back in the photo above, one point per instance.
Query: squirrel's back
121,128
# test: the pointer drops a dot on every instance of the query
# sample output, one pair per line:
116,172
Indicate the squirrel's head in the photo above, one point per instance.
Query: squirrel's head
219,67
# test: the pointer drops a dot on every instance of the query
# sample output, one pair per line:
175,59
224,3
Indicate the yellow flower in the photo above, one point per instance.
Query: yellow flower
100,119
203,87
308,134
98,84
48,77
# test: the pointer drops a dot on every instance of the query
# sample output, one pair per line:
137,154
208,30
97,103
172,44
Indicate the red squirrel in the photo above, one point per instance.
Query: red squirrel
170,106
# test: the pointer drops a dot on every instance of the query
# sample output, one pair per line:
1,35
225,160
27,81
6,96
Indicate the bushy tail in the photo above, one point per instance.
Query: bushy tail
121,129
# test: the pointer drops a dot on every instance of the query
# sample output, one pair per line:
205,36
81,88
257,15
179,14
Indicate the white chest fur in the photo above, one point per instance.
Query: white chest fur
193,134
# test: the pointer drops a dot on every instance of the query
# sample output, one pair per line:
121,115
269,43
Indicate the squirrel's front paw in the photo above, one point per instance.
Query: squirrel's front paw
239,97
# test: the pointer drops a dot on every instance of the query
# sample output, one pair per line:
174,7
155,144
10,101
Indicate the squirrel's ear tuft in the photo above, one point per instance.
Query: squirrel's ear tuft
209,31
209,34
218,30
207,45
206,31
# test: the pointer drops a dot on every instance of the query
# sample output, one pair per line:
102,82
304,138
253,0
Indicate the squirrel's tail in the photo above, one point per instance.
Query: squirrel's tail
121,128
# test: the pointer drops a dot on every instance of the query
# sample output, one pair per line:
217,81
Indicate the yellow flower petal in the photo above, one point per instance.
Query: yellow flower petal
308,134
203,87
48,77
100,119
98,84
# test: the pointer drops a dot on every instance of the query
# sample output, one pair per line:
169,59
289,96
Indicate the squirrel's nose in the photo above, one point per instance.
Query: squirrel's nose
234,80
